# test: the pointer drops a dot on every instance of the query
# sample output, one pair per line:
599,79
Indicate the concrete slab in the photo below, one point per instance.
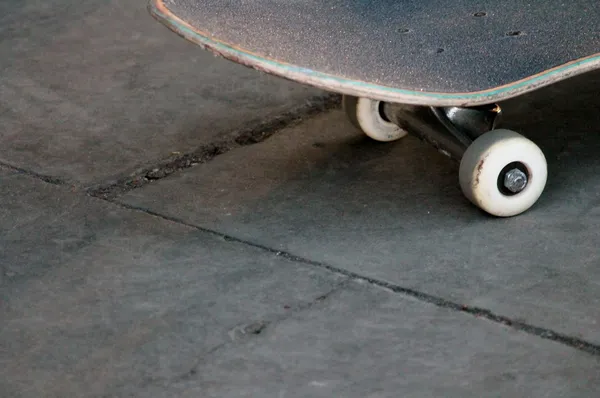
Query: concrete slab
95,298
388,347
95,90
394,212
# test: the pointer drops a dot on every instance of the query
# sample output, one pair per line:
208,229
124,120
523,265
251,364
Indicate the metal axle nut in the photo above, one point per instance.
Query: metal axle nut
515,180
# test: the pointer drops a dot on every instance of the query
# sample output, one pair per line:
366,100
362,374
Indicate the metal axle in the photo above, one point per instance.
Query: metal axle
450,130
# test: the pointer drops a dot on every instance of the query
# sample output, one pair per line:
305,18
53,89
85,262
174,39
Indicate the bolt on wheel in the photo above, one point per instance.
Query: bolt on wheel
503,173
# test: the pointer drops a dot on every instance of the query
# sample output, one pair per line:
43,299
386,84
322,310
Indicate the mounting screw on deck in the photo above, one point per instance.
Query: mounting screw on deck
515,180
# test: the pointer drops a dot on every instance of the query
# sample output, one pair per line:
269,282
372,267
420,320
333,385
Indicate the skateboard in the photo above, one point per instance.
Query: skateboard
422,67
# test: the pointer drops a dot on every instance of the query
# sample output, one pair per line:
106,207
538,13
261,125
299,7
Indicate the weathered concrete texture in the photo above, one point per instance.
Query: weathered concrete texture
95,299
95,89
98,301
364,342
394,211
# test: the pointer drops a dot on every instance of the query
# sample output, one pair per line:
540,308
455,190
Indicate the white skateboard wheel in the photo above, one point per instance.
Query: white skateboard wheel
503,173
365,114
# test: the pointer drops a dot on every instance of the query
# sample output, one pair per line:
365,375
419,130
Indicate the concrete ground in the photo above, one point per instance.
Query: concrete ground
175,225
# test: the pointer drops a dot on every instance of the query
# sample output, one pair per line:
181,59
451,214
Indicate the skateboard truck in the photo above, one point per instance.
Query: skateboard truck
451,130
501,171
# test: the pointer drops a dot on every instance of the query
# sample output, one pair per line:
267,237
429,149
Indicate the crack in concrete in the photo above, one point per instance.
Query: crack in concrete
205,153
481,313
250,331
46,178
241,138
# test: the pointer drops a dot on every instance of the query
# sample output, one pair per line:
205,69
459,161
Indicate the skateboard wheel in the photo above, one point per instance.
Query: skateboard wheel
503,173
365,114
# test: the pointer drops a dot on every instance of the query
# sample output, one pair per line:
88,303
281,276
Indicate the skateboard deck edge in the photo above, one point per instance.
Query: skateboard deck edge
341,85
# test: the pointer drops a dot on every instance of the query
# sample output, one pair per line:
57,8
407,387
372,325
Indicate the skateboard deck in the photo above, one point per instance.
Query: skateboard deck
421,52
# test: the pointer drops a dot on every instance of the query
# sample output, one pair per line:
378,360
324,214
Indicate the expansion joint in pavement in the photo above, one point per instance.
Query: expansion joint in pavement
247,136
480,313
46,178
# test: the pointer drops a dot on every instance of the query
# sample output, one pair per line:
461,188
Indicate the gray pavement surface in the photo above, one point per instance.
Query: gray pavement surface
96,299
125,304
275,251
95,90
